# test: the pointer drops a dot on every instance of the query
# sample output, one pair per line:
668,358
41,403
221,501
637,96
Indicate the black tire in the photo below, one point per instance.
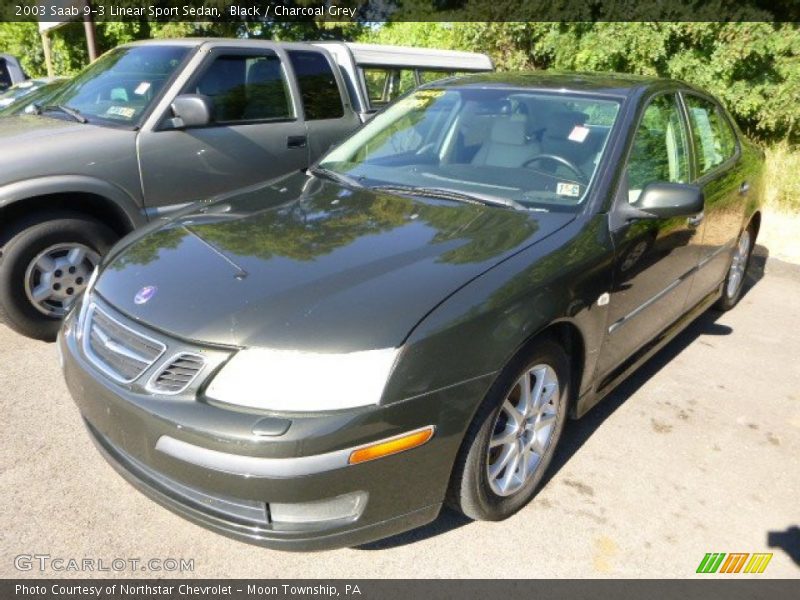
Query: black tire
470,491
727,301
38,234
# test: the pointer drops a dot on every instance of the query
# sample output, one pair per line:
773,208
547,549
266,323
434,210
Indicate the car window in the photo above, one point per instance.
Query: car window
659,151
318,88
714,139
385,85
246,88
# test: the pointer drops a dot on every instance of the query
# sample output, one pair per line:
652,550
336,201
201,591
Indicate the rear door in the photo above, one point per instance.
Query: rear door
327,112
655,259
258,132
720,172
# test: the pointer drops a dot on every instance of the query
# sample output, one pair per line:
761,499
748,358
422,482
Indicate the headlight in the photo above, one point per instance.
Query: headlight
289,380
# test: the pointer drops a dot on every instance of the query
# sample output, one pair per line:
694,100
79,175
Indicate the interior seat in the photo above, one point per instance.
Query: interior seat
508,144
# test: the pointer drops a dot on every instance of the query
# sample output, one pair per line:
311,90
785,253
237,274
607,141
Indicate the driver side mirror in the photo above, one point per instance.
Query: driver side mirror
191,110
661,200
666,200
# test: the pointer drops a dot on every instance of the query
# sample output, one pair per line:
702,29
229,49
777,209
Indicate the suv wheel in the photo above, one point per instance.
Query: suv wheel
512,439
45,268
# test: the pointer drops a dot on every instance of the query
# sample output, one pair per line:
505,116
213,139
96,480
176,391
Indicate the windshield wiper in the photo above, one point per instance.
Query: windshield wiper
63,109
449,194
335,176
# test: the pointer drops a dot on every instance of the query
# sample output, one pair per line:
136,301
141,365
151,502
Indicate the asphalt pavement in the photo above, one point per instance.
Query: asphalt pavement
698,452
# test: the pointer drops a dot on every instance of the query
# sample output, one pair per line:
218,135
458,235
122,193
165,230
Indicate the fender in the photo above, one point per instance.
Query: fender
477,330
126,205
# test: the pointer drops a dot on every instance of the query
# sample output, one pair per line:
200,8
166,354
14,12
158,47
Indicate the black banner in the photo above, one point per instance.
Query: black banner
373,11
715,588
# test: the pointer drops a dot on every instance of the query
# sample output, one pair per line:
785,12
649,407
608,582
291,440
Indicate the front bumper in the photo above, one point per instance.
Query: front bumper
402,491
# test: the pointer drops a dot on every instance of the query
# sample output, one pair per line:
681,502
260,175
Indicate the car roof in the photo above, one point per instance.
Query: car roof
612,84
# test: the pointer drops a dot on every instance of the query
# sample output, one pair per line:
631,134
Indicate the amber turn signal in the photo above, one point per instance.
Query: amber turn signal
400,443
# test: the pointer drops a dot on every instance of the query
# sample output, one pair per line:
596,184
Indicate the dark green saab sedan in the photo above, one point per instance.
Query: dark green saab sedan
330,358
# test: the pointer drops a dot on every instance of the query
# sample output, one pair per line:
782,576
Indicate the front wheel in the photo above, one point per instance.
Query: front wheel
734,280
45,269
513,436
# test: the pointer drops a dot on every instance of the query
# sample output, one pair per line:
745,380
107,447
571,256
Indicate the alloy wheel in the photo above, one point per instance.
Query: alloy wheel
523,430
738,265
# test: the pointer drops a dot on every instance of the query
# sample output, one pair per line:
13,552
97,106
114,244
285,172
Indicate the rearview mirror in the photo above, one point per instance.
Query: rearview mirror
191,110
663,200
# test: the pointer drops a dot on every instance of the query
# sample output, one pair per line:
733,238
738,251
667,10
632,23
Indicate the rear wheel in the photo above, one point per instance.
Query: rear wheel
740,261
511,441
45,268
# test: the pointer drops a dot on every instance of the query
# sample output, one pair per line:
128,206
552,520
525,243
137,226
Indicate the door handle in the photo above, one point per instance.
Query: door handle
296,141
696,220
744,188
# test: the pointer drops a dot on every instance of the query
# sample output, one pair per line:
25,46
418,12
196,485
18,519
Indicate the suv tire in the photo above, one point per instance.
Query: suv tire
54,254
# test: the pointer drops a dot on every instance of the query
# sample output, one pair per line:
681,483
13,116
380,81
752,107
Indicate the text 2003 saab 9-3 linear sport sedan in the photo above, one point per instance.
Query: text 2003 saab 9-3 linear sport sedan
330,358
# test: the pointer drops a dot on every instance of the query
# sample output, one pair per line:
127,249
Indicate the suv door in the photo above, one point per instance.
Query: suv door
721,175
655,259
327,121
257,133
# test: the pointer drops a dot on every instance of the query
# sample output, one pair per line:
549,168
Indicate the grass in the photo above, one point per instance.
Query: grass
780,227
783,178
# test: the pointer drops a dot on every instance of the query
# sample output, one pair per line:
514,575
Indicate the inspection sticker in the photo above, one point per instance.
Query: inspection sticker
142,88
578,133
121,111
568,189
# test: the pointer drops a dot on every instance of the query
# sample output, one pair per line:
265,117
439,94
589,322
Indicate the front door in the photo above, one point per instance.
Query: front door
655,259
257,134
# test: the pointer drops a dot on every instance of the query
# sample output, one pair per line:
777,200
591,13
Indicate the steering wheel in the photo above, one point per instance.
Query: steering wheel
560,160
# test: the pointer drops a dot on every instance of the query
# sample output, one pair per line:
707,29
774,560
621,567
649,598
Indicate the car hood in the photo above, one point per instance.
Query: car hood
28,128
308,264
33,146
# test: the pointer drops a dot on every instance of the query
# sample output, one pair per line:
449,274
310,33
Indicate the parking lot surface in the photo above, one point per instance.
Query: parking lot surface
698,452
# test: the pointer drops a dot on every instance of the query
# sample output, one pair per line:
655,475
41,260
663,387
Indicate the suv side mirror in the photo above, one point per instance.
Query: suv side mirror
191,110
661,200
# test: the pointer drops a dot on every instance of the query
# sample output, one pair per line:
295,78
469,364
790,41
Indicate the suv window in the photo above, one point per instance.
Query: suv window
5,78
428,75
246,88
659,151
715,141
384,85
318,88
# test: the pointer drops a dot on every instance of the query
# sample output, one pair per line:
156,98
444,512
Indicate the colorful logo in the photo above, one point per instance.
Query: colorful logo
734,562
145,294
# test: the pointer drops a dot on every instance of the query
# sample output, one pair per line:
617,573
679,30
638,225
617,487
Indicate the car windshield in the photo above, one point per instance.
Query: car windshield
525,148
120,85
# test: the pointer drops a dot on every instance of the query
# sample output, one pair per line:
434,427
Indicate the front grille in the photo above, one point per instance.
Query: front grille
119,351
178,373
